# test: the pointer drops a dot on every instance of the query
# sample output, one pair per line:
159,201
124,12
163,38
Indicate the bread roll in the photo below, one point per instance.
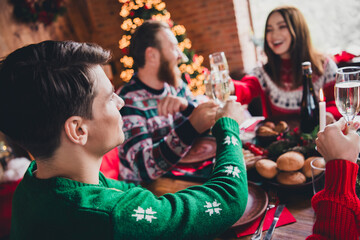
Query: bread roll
307,167
266,168
291,178
266,131
270,125
281,126
290,161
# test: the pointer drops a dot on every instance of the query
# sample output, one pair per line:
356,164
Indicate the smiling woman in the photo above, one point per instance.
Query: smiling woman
327,20
278,82
278,36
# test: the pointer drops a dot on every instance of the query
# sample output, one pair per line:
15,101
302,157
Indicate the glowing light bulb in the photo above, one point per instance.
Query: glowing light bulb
127,61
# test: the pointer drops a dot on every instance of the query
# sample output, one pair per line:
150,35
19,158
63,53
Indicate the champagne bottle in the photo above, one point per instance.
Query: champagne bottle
309,104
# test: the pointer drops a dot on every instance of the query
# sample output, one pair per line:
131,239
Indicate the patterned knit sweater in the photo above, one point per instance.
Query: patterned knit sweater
59,208
278,101
337,207
154,144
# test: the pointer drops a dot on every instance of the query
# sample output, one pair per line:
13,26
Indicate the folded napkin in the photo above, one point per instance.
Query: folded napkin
250,124
285,218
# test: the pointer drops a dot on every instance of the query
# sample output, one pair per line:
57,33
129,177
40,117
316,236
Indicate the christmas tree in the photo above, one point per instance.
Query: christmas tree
135,12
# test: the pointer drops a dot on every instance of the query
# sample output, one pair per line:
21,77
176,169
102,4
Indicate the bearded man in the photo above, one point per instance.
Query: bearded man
160,118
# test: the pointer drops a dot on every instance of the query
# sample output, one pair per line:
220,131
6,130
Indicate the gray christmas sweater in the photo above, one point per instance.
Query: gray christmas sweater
154,144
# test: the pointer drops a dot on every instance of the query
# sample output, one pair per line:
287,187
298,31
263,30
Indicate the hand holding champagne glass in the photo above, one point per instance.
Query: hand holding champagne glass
347,92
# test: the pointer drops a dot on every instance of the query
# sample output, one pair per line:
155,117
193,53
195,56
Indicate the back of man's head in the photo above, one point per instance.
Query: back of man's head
41,86
145,36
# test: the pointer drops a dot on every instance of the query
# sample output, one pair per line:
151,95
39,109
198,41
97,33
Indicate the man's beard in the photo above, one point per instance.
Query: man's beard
166,72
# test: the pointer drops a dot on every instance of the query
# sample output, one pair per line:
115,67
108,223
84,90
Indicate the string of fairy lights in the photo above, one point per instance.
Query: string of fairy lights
135,12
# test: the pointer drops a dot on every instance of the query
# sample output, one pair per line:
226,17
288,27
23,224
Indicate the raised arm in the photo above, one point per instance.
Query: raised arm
337,207
246,89
198,212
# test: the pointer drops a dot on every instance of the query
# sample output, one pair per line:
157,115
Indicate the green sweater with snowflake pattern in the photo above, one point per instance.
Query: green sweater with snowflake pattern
60,208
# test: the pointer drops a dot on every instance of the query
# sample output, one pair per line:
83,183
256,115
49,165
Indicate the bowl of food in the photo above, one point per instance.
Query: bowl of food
290,170
268,132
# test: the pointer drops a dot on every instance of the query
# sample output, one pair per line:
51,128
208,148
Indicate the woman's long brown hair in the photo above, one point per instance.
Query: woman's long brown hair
301,49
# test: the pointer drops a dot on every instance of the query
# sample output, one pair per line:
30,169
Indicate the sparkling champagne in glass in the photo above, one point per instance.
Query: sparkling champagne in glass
219,77
220,87
347,92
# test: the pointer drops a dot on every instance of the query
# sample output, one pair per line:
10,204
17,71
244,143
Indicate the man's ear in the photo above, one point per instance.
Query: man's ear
152,56
76,130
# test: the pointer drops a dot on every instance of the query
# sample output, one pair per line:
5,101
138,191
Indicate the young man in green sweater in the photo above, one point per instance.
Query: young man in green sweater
56,101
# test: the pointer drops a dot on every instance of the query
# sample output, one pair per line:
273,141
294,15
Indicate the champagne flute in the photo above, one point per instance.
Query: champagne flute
220,87
219,78
218,62
347,92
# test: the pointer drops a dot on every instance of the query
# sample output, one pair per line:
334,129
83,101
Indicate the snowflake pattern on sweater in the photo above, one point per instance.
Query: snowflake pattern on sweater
231,140
147,214
232,170
212,208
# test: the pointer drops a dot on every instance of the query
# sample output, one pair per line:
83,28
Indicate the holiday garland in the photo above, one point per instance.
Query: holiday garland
45,11
135,12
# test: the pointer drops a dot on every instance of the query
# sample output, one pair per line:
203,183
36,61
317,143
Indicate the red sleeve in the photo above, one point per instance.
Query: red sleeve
247,88
110,164
330,100
337,207
6,195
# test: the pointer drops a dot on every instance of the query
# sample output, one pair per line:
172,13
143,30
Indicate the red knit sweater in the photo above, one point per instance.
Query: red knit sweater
277,101
337,207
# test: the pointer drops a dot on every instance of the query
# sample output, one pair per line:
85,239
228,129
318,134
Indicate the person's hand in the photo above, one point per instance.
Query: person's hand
171,105
232,110
203,116
330,118
339,141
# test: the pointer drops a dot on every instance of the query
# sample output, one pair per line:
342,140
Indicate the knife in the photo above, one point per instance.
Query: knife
270,232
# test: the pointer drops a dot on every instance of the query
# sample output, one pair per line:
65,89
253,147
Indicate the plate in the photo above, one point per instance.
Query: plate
256,205
202,149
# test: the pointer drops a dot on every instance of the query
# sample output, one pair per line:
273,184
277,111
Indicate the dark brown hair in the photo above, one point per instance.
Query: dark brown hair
41,86
145,36
301,49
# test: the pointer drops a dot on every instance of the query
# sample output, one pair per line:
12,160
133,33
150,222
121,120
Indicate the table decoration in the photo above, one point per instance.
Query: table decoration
45,11
322,111
294,140
290,143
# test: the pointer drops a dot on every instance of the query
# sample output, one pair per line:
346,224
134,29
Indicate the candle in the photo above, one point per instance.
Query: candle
322,110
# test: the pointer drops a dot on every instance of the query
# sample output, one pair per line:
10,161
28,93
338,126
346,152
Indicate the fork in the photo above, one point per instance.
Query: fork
272,202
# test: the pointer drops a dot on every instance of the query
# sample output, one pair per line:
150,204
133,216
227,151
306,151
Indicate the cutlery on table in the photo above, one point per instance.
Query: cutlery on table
258,233
271,230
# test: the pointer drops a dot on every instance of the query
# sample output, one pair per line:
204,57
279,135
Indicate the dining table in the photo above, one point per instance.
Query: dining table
296,200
